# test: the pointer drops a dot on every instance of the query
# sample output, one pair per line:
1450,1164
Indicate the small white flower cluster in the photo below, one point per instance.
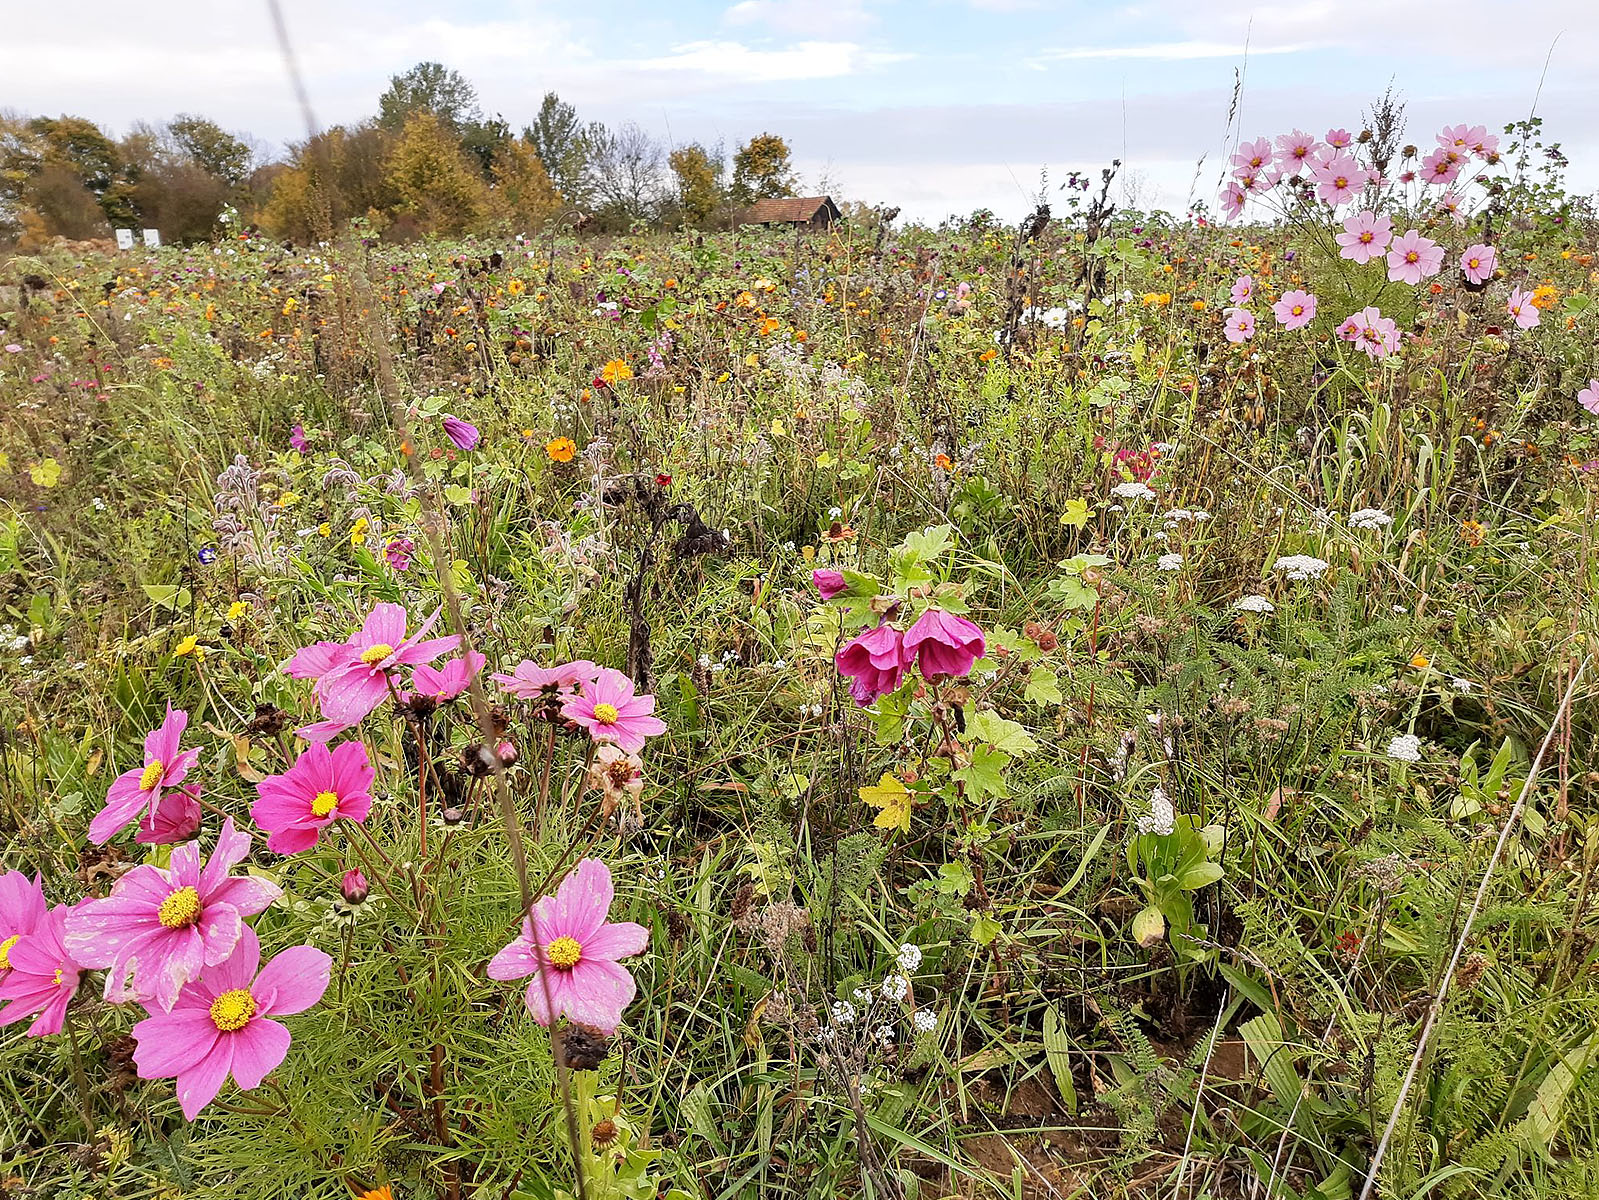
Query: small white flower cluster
875,1010
1254,604
1300,567
909,957
1169,562
1369,518
1405,748
1161,819
11,639
1178,515
1132,489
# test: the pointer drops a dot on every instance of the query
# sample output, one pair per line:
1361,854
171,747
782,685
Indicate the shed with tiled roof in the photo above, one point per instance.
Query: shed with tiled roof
809,212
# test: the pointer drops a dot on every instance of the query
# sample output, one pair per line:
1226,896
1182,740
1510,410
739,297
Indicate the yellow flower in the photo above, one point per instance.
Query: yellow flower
287,500
236,610
615,371
560,449
516,287
325,529
894,799
1545,296
189,645
358,531
1420,661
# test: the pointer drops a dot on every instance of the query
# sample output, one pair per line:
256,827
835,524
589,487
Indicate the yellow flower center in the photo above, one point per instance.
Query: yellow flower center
324,803
373,655
563,953
232,1010
1411,256
5,951
152,775
605,714
179,909
1368,237
58,976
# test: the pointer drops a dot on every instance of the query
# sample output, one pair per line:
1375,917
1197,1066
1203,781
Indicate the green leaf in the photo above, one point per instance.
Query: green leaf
167,595
457,493
955,879
1547,1112
1264,1037
1076,514
1056,1045
988,726
1197,877
985,774
985,929
1149,927
1043,687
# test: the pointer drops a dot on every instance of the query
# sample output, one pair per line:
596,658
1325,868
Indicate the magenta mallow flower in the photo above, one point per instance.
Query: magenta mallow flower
1412,258
41,977
945,644
529,681
828,583
138,792
397,553
571,952
1240,325
1365,236
322,786
462,433
874,662
1478,262
1588,398
222,1023
353,677
1295,310
1523,309
297,438
22,907
608,709
158,929
1243,289
450,680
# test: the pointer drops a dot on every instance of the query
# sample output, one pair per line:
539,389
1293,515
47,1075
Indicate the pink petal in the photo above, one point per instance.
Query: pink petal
349,694
199,1084
171,1043
515,961
220,928
321,731
233,846
557,1000
257,1048
315,661
582,900
122,803
616,939
161,743
600,991
292,982
247,893
293,839
239,968
384,625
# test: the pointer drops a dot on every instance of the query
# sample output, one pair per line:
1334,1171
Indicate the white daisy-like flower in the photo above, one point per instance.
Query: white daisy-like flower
1406,748
925,1020
1300,567
1161,818
909,957
1169,562
1369,518
1254,604
1132,489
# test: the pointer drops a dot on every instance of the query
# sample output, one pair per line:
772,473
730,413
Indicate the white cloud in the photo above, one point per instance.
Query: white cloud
837,18
736,62
1167,51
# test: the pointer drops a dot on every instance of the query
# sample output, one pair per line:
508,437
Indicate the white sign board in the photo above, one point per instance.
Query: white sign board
124,239
152,238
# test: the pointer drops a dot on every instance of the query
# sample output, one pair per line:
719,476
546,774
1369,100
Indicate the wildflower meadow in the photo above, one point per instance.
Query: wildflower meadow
1099,707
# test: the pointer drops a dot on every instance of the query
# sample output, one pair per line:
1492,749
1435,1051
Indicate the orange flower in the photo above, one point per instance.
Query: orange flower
377,1193
560,449
943,461
616,370
1420,661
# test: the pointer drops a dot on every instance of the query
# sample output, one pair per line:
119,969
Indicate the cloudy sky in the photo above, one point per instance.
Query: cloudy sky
938,106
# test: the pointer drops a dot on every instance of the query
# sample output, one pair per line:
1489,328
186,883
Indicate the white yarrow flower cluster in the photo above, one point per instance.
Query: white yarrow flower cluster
1300,567
1177,515
909,958
1254,604
1132,489
1369,518
925,1020
1169,562
1161,818
1405,748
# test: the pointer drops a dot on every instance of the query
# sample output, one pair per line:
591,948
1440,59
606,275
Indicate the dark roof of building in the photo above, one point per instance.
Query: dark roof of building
788,208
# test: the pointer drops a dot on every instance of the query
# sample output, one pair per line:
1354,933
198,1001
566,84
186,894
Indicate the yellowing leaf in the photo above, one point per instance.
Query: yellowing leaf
892,796
46,474
1077,513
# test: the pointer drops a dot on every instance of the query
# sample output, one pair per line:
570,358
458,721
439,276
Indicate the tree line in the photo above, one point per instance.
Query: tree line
429,162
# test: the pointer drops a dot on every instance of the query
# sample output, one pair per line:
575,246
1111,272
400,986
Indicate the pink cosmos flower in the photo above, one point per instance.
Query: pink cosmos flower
1253,156
1295,310
1462,137
1523,309
22,907
322,786
353,677
875,663
1478,262
1295,151
1232,201
138,792
222,1023
1374,333
828,583
1243,289
1240,325
1338,178
43,976
1413,258
175,819
464,434
1487,146
158,929
1449,203
1338,138
529,681
571,952
1588,398
1365,236
1441,166
448,681
944,643
608,709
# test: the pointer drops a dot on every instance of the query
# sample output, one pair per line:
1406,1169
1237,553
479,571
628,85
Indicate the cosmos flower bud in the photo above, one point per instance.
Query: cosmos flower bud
353,887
